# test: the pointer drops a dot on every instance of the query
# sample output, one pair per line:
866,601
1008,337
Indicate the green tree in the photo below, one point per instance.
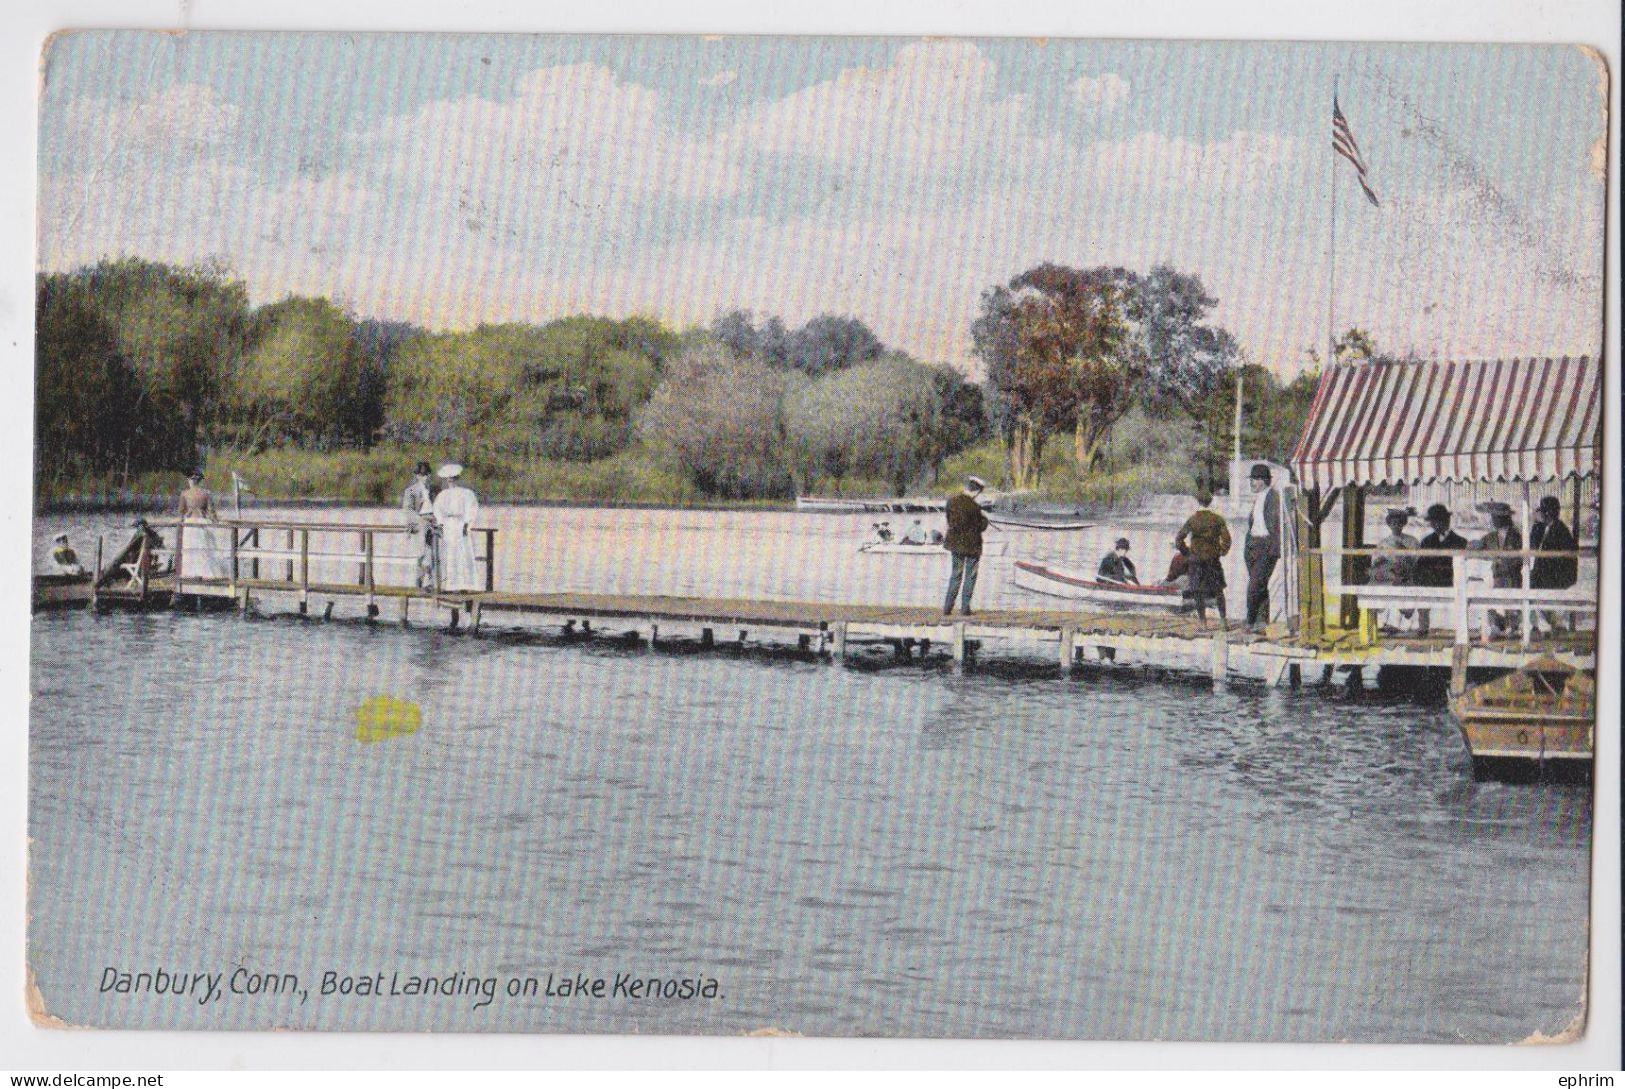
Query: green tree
303,381
716,417
84,388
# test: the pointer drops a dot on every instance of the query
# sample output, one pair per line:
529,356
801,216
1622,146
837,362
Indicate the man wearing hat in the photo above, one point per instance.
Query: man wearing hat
1506,571
64,557
1263,548
1436,571
1549,534
455,509
1115,566
966,521
417,508
1205,538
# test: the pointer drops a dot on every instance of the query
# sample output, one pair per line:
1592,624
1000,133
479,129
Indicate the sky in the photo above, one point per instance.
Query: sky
451,180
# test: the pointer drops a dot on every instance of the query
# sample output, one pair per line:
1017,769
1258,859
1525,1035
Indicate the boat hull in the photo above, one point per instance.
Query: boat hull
1537,721
893,548
1077,586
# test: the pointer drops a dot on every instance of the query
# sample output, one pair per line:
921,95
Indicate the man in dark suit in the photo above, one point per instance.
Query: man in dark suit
964,543
1436,571
1263,549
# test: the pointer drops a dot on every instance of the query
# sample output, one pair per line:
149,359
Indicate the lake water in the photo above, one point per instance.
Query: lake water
880,849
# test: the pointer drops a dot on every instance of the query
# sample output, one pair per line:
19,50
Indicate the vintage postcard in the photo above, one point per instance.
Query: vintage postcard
884,537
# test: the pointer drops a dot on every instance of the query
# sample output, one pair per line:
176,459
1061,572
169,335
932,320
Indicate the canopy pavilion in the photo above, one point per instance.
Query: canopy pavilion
1514,425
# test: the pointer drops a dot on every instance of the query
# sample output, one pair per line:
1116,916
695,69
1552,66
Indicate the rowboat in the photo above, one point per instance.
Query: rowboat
1077,586
897,548
1538,718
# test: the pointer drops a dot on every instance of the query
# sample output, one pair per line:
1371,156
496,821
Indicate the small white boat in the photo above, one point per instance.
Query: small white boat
1078,586
923,504
898,548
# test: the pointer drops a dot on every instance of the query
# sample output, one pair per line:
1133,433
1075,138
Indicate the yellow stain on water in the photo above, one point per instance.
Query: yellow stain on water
384,717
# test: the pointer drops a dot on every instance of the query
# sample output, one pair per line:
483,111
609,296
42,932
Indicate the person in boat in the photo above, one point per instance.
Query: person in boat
63,558
1436,571
417,509
1263,549
1116,567
884,530
966,523
1205,538
1179,571
1549,534
1506,572
204,551
915,534
455,509
143,563
1388,570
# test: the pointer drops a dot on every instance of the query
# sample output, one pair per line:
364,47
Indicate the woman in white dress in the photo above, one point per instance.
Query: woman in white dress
205,550
455,509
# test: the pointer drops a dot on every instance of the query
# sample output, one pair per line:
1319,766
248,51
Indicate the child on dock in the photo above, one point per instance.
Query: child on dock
1205,538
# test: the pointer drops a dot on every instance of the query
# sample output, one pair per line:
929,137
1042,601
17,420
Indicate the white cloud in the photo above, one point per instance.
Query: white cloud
719,79
1104,93
896,193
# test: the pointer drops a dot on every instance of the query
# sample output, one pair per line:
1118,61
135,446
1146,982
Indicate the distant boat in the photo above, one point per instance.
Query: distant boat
897,548
1078,586
812,504
1028,522
1537,718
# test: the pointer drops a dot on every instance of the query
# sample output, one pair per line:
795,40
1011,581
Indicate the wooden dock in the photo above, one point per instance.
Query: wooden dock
1066,637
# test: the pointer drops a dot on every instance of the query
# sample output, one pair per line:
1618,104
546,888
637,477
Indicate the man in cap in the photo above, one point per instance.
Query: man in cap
1115,566
1205,539
64,558
455,509
417,508
1263,548
966,521
1436,571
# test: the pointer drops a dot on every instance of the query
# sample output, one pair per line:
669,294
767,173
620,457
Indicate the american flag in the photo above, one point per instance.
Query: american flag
1343,143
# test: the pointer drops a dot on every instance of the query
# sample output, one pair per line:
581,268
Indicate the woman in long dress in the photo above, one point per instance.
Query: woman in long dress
205,551
455,509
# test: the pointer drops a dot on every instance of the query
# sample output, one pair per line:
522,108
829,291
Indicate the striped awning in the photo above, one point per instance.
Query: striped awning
1489,420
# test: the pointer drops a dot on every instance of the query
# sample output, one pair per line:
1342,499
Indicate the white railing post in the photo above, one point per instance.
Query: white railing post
1458,578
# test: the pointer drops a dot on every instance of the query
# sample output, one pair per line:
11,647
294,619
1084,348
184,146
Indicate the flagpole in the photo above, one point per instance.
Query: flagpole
1331,287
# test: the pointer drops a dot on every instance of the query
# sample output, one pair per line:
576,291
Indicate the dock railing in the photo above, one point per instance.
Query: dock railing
1469,595
276,551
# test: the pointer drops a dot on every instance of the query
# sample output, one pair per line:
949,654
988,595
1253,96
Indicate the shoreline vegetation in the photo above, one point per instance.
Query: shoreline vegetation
1101,387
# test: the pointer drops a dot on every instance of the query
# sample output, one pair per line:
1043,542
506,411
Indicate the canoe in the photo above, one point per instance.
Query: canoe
895,548
1536,718
1077,586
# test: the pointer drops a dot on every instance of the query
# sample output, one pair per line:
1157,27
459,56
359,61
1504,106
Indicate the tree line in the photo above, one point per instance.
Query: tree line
147,367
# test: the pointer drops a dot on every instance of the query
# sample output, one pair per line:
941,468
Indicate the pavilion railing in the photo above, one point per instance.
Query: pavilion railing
1468,594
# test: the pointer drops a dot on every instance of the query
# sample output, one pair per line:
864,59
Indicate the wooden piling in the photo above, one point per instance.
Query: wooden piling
96,575
707,638
959,646
838,630
1066,639
1219,656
